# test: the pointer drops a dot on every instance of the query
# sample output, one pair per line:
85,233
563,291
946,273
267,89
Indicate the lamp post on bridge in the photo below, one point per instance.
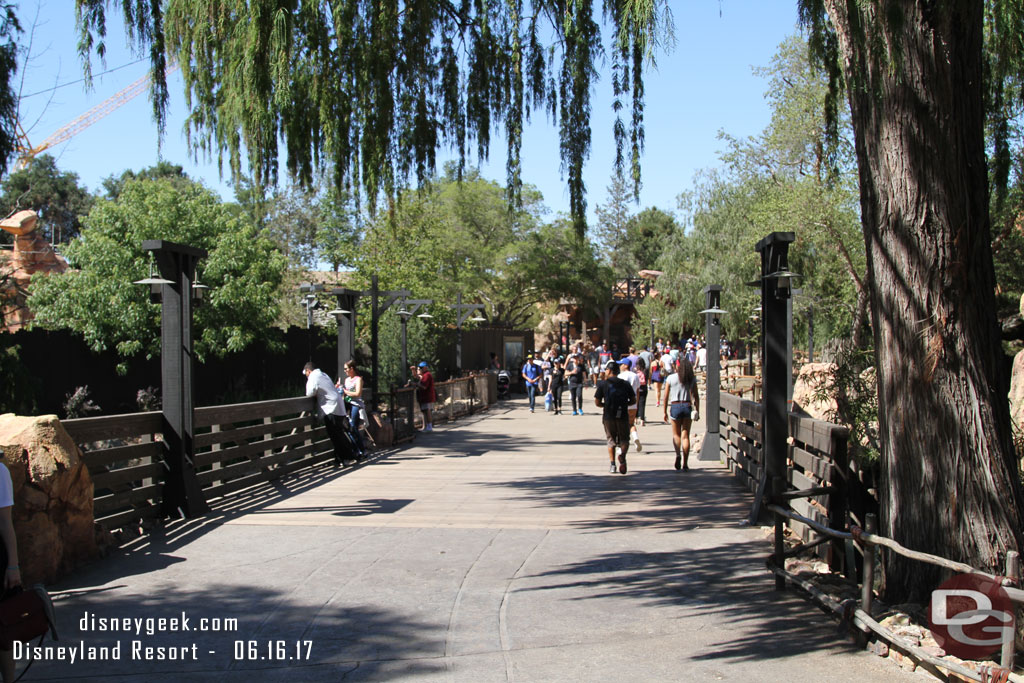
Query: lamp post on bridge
713,326
309,302
176,288
376,309
462,314
404,313
345,314
653,321
776,290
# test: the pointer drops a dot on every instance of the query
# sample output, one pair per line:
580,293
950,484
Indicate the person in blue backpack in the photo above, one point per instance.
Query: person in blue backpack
614,396
531,375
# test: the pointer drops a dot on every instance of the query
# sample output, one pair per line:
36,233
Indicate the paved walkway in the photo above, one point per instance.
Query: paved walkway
497,548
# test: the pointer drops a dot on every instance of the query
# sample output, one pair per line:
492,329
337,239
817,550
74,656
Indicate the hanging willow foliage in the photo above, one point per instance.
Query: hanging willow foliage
371,89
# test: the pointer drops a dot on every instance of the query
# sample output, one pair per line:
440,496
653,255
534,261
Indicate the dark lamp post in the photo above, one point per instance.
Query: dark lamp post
711,448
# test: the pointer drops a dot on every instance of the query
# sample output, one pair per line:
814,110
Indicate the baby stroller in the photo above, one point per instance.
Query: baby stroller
504,385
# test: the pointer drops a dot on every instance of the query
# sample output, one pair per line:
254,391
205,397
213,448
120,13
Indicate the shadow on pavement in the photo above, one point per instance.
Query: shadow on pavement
272,632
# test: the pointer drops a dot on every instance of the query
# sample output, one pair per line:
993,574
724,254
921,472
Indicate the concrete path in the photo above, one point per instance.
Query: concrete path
497,548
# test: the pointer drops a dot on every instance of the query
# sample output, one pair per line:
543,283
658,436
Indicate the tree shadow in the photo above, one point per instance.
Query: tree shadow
275,633
726,582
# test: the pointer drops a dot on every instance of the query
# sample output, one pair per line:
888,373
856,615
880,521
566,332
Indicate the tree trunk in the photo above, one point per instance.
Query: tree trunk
950,483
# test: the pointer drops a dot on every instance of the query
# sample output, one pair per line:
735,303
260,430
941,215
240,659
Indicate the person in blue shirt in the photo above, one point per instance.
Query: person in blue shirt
531,375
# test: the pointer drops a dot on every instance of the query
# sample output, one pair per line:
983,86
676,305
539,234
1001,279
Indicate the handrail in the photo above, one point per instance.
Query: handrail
857,534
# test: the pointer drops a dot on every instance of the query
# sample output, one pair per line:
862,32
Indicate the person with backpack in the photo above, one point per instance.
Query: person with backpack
614,397
683,402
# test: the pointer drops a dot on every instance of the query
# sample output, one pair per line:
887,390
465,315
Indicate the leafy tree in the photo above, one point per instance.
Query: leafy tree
463,237
97,300
113,185
610,230
915,79
647,233
54,194
373,89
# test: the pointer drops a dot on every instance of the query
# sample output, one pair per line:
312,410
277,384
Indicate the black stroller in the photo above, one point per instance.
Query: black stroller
504,385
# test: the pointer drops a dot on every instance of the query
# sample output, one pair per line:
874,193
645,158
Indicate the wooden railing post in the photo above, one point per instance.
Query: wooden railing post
868,550
1013,572
838,505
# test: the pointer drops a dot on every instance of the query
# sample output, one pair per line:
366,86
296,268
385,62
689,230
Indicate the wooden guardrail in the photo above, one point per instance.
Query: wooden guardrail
236,446
817,463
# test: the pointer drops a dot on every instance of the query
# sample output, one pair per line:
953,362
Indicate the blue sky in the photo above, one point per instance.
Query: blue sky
704,85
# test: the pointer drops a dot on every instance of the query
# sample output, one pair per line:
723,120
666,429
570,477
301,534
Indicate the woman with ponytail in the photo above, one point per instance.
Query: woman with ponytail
682,399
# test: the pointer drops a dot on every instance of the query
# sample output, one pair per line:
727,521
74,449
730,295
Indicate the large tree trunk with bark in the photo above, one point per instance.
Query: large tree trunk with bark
950,482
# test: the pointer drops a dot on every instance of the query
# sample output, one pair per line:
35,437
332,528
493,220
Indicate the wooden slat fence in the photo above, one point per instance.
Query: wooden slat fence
240,445
237,446
817,458
124,454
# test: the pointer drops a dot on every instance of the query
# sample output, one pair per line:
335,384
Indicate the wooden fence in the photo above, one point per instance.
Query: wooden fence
817,462
236,446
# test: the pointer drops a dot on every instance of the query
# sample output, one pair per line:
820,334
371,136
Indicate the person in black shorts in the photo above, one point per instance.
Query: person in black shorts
614,396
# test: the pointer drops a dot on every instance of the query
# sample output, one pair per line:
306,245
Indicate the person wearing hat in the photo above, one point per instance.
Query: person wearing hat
425,393
531,376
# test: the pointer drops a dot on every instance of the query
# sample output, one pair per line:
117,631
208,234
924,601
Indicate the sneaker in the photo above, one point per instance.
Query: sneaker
622,464
636,442
679,460
428,428
612,469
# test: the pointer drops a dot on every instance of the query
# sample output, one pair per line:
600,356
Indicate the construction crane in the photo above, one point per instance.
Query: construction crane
26,152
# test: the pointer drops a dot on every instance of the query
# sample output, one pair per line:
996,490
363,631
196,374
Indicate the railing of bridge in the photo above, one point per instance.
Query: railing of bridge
817,464
455,398
236,446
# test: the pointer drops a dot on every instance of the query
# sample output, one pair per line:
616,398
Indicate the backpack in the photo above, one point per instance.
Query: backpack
618,394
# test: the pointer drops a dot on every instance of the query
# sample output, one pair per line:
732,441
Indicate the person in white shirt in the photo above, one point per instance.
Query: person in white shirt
634,381
702,359
329,402
9,558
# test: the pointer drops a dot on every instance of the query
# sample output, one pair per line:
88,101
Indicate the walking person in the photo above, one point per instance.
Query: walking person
655,384
352,389
329,402
531,376
613,396
682,402
594,364
640,368
575,373
557,385
628,375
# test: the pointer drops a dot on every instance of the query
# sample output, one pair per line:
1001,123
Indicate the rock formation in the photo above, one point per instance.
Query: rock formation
53,497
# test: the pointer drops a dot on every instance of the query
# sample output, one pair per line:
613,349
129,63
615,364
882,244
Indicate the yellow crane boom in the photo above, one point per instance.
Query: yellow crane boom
27,151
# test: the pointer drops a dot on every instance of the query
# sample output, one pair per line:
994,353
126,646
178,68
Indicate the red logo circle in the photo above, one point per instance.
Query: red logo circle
970,616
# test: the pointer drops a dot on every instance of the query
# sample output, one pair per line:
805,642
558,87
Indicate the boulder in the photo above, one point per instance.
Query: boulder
811,376
53,497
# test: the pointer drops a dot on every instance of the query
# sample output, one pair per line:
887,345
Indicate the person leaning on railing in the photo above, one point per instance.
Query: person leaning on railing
352,389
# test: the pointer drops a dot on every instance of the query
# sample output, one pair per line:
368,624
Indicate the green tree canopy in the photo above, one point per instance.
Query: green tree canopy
464,237
113,185
373,89
54,194
97,300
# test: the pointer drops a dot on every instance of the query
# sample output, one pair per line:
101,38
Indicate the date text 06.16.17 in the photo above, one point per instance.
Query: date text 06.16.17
273,650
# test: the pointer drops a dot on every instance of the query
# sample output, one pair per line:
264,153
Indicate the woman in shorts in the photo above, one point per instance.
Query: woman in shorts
682,402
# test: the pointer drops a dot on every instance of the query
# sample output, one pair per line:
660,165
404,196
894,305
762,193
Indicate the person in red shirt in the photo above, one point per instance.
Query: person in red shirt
425,394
